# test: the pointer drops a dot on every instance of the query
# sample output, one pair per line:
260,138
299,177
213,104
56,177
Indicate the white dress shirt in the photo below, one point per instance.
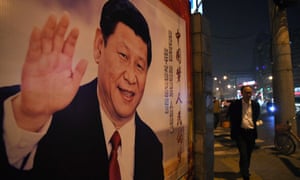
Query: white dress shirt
126,150
247,120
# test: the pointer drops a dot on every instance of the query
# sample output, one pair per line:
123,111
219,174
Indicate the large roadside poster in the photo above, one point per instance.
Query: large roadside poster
161,87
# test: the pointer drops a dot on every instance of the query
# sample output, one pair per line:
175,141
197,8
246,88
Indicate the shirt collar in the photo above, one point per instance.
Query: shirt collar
244,102
109,128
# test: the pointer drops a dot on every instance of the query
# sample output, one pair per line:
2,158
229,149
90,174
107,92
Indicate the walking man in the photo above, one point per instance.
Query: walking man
243,114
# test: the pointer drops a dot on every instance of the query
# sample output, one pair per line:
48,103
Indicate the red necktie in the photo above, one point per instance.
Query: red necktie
114,169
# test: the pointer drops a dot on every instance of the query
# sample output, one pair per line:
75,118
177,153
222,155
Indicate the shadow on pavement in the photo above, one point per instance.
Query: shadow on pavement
228,175
295,170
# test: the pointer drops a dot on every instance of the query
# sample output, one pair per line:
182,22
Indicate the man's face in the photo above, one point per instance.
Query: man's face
122,73
247,93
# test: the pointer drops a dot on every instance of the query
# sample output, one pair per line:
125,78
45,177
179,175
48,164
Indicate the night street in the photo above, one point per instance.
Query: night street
267,163
267,130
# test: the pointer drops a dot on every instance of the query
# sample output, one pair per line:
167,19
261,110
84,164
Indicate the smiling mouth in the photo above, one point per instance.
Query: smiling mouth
127,93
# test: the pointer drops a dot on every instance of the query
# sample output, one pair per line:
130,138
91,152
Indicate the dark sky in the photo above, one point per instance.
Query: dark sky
235,26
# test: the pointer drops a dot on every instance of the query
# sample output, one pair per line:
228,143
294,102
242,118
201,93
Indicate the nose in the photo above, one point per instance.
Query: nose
130,76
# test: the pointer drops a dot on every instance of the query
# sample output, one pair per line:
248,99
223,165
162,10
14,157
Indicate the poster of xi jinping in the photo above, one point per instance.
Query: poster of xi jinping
93,89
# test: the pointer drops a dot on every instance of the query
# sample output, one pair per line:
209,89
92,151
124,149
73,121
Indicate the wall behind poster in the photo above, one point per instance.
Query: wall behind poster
164,105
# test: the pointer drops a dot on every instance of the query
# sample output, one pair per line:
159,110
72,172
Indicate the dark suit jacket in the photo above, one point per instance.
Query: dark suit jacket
74,147
235,111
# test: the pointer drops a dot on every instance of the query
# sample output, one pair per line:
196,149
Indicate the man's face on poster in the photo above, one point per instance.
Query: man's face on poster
122,72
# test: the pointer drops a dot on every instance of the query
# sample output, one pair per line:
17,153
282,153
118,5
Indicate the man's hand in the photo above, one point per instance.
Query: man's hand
48,81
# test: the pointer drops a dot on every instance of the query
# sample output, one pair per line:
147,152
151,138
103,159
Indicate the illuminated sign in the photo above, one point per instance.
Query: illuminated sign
196,6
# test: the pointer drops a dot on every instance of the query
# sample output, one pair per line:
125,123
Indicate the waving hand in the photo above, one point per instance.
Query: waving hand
48,81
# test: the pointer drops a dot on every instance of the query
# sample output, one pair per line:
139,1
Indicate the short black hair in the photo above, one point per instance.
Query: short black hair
115,11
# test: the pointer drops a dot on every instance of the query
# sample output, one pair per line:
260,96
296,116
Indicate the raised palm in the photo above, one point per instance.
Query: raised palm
48,81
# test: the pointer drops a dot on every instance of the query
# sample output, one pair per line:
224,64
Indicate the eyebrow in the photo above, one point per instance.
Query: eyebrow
140,56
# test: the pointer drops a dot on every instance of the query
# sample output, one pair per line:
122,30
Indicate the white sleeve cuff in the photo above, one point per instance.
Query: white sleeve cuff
19,142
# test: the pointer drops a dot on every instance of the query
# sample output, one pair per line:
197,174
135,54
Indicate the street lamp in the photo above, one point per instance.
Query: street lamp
222,86
270,78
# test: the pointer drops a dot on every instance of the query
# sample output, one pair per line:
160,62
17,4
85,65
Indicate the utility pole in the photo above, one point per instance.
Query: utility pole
283,84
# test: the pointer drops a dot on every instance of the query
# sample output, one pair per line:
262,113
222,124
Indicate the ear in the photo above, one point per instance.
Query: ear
98,45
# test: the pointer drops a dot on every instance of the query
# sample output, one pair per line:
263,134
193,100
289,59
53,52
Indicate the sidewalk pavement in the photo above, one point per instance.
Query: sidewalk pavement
266,162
